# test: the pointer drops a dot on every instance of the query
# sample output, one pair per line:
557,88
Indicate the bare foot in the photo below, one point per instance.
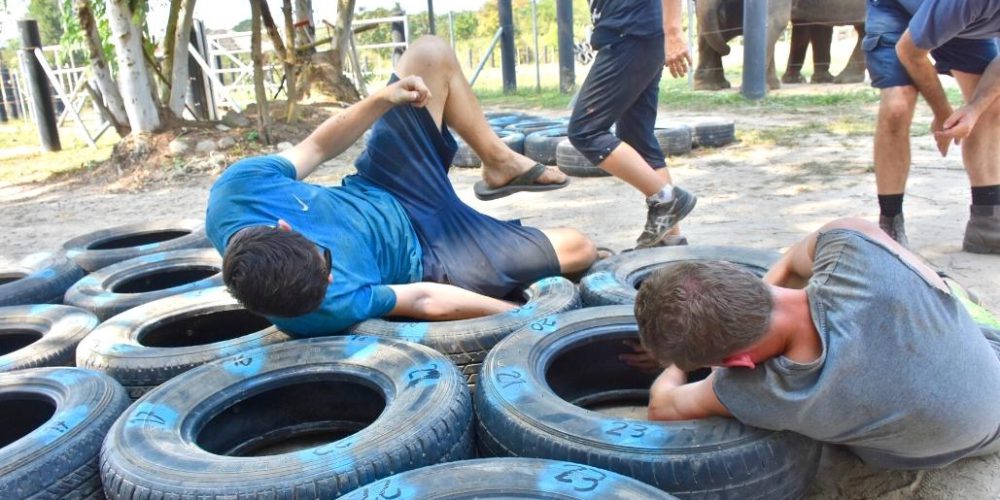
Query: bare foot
502,171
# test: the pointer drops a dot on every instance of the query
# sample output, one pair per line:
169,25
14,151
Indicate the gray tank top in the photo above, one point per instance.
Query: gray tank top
906,378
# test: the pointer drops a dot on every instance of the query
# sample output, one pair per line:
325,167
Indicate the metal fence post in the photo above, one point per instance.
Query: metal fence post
39,87
754,49
564,29
507,53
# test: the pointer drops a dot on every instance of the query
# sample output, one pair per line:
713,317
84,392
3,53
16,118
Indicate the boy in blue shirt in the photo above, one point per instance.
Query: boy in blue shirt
394,239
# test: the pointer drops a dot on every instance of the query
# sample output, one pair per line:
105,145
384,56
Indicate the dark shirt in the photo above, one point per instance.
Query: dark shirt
617,18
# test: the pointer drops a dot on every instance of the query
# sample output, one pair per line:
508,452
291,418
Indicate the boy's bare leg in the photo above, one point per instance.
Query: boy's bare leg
453,102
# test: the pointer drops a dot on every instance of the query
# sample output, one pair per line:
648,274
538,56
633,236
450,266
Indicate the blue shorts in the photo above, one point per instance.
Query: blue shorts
887,20
409,156
621,89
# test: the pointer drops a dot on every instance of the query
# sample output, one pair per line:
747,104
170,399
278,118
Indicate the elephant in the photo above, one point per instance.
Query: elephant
808,27
722,20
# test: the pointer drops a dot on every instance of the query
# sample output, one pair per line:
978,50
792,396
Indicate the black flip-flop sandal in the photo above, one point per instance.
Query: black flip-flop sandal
523,182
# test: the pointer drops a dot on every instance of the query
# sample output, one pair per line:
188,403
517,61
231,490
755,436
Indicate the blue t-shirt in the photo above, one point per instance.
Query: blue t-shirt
367,232
935,22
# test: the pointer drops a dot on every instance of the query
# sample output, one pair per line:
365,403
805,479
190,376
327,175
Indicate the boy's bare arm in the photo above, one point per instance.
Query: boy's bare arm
671,399
794,268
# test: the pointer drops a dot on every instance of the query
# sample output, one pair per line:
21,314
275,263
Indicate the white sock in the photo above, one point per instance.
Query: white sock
665,195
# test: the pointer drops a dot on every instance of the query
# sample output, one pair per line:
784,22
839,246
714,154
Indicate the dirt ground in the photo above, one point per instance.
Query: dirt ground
790,173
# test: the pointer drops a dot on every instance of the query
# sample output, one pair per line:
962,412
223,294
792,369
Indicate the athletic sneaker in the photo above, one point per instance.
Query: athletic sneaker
661,217
982,233
895,227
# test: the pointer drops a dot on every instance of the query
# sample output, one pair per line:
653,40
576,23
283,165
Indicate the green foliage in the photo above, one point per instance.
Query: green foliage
49,18
74,38
243,25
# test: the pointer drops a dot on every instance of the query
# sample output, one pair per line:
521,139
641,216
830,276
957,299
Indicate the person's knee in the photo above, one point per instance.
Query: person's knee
852,223
896,110
576,252
580,135
429,52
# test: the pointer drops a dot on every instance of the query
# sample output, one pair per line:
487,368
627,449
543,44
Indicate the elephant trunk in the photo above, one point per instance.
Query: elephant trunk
709,27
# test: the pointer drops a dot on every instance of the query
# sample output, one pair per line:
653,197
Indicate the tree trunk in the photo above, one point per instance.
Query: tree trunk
342,31
179,74
106,84
290,61
168,43
272,29
263,114
304,12
135,84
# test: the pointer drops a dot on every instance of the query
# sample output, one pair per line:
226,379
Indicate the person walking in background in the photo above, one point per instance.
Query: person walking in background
634,40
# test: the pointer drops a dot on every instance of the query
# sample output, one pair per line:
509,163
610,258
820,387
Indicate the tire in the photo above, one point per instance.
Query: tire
41,278
713,132
513,140
504,119
616,280
145,346
574,164
122,286
524,409
508,478
465,157
311,418
674,140
527,127
541,145
467,341
54,420
93,251
41,335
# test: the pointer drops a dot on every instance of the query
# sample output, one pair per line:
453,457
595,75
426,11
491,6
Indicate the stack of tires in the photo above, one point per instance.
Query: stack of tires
188,395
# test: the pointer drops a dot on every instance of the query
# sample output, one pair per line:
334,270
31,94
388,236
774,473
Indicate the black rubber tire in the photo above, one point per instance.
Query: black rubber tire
713,132
93,251
120,346
465,157
41,278
541,145
513,140
574,164
503,119
616,280
174,440
41,335
466,342
61,416
527,127
110,290
523,408
674,139
508,478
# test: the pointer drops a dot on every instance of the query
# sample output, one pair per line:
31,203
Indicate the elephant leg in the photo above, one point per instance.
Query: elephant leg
854,72
709,74
821,38
796,55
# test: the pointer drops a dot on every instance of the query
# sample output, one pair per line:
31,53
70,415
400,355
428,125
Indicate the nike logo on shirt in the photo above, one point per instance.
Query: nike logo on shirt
302,204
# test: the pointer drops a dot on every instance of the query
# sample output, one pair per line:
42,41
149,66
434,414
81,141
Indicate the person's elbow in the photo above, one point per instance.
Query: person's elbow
664,409
427,306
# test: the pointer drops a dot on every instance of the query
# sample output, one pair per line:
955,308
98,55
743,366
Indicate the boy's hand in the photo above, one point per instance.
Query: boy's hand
410,90
641,360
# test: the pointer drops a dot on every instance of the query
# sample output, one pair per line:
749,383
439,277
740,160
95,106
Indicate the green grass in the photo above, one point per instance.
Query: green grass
22,161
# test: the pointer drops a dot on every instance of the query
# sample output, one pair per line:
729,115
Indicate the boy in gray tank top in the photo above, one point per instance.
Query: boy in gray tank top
849,339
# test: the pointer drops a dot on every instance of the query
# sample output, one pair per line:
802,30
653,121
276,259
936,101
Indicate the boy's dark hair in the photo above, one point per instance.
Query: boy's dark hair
697,313
275,272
